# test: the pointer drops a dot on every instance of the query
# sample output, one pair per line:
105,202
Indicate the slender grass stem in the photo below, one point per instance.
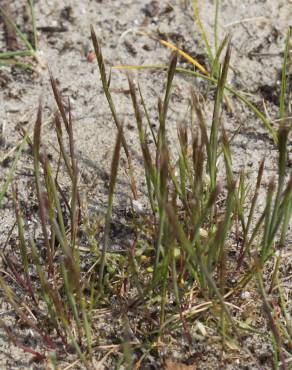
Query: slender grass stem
22,36
229,88
9,54
217,2
34,27
113,177
282,109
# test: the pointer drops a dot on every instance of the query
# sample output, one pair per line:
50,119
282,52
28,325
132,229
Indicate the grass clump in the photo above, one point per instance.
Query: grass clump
175,272
18,58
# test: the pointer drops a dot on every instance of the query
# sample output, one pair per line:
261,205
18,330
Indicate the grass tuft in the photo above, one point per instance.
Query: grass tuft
176,271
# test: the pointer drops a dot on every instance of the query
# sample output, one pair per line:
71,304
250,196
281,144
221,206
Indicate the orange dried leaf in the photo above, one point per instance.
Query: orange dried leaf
185,55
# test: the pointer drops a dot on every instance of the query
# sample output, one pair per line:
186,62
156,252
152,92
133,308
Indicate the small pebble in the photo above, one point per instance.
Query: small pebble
91,56
245,295
138,207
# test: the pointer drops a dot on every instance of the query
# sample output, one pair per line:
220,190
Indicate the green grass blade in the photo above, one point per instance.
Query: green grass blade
202,30
282,166
37,172
17,30
34,28
147,116
267,123
212,161
287,201
216,25
9,54
282,111
12,169
113,178
20,224
105,84
268,215
12,62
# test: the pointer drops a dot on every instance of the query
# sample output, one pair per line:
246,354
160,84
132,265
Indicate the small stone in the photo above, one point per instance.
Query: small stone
151,9
137,206
245,295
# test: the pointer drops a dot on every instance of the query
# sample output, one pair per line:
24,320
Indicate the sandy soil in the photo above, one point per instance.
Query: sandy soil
128,31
